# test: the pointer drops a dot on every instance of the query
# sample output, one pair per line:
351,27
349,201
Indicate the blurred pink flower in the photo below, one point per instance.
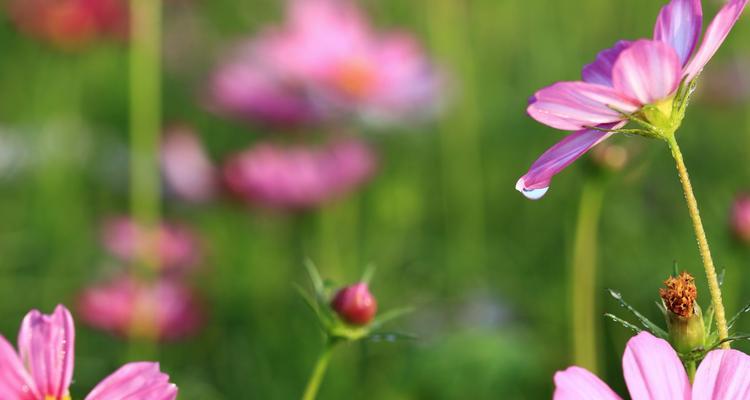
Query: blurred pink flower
71,23
327,55
162,310
623,79
187,169
355,304
43,367
177,247
653,371
740,219
298,177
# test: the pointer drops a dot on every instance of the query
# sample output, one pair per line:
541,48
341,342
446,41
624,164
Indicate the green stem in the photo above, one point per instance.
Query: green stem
145,118
700,234
319,371
690,367
582,286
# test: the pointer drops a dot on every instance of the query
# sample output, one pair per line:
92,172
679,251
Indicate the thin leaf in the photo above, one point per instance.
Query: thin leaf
311,304
369,272
655,329
389,315
675,268
742,336
624,323
315,278
734,319
390,337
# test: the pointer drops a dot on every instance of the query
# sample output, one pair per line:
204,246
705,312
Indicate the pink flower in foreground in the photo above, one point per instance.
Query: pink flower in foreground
653,371
163,310
176,246
298,177
624,79
326,59
187,169
42,369
71,23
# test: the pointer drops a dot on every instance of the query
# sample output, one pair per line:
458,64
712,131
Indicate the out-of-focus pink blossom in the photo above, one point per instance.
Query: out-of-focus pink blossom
71,23
163,310
298,177
739,221
187,169
42,369
176,246
329,57
653,371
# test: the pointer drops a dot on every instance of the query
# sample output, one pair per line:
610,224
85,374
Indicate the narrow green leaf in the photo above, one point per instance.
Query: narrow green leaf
624,323
655,329
388,316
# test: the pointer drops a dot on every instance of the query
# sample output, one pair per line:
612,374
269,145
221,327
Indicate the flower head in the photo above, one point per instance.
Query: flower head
42,369
680,294
71,23
161,310
740,218
647,81
653,371
177,247
355,304
188,171
298,177
326,60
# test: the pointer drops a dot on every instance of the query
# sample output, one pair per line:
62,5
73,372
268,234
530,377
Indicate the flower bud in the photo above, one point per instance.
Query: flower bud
683,315
740,218
355,304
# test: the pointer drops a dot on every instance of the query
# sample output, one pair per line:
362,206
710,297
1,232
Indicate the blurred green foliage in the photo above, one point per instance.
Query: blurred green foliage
485,268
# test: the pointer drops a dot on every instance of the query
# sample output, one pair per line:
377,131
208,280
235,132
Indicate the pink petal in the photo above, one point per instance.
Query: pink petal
679,25
600,71
648,71
715,35
723,375
46,344
576,383
536,182
135,381
573,106
15,382
653,370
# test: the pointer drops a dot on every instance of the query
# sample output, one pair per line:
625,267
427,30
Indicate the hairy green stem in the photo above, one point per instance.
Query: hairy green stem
700,234
582,285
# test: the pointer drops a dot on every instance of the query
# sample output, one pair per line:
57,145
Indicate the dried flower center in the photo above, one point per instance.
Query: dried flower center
680,294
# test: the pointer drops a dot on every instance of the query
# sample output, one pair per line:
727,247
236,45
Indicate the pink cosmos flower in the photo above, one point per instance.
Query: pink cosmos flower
187,169
298,177
177,247
653,371
624,79
327,58
42,369
163,310
740,218
71,23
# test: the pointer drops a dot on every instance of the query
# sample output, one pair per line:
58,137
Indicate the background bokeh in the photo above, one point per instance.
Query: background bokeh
485,268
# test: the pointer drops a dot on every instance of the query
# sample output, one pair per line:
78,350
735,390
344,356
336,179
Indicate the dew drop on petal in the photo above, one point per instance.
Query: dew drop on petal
532,194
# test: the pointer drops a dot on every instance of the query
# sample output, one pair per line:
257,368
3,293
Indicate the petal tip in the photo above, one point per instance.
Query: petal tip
530,193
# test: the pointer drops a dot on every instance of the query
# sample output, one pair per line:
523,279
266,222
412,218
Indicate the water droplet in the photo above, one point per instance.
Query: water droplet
532,194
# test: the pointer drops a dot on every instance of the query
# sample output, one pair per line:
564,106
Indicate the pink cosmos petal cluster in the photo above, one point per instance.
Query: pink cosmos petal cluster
71,23
42,369
188,172
326,60
177,247
740,218
653,371
298,177
624,78
161,310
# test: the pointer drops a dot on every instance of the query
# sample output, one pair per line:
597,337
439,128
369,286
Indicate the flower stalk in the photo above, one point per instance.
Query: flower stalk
700,234
319,371
145,120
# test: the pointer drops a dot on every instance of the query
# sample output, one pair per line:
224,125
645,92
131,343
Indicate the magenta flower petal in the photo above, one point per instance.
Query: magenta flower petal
535,183
723,375
648,71
653,370
573,106
679,25
715,35
600,71
46,345
576,383
141,380
15,382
